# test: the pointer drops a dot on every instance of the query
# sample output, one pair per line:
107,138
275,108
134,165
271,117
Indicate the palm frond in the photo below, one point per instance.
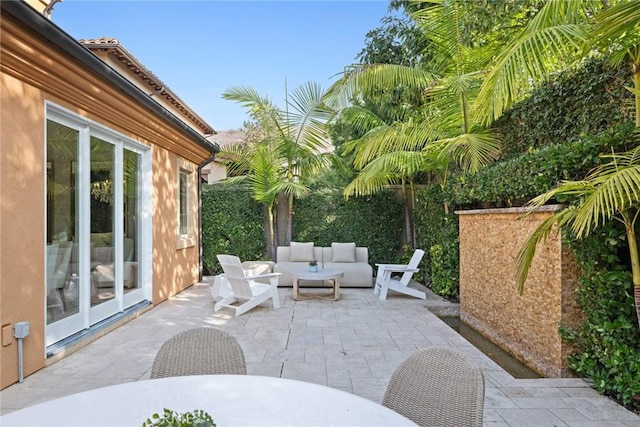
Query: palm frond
551,38
385,170
371,79
360,119
616,188
409,136
441,22
540,234
472,151
296,189
617,22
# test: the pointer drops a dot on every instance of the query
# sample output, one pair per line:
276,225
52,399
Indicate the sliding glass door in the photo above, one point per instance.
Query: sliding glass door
97,184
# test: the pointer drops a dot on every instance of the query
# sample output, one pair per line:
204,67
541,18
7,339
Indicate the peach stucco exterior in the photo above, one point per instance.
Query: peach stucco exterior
525,325
35,72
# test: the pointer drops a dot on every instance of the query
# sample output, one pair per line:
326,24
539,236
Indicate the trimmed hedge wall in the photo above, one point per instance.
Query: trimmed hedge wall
374,221
569,105
231,224
514,182
437,235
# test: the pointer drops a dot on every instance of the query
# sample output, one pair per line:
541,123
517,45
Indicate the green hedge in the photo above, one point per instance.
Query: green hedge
514,182
569,105
437,235
232,223
608,341
373,221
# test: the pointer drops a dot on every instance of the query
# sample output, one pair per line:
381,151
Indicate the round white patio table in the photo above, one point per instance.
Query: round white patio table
322,274
231,400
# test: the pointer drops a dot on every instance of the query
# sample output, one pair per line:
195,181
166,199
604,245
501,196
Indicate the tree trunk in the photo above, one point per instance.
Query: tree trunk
631,234
635,265
636,86
408,222
271,244
289,220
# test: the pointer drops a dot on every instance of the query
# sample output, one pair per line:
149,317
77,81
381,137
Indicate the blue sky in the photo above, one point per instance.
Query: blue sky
202,48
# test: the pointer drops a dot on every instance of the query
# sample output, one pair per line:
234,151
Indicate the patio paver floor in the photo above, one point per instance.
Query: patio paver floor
353,344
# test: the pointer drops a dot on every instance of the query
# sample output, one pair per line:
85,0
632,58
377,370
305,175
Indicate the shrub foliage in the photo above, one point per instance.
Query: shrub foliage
232,223
373,221
515,181
437,235
608,341
569,105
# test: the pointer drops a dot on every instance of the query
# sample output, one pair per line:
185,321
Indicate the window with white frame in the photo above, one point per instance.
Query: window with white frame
183,203
186,195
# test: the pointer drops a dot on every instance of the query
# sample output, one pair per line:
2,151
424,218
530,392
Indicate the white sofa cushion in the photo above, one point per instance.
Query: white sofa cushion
343,252
301,252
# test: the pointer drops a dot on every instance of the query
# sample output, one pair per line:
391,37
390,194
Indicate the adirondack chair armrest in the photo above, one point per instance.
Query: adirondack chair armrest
264,276
400,269
389,266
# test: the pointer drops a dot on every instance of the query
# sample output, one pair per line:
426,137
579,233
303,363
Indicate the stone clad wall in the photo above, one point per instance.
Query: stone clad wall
525,325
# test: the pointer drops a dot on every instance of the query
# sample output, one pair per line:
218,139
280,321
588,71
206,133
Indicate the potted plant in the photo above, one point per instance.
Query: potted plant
169,418
313,266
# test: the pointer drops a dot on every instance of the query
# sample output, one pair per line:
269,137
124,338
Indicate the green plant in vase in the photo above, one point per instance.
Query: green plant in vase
169,418
313,266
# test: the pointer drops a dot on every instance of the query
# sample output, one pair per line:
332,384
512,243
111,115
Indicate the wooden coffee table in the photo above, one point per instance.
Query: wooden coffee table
322,274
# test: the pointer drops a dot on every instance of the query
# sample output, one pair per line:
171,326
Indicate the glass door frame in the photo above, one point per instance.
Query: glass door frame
87,315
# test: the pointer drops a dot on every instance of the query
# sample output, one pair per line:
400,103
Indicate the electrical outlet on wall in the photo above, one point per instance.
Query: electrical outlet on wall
21,330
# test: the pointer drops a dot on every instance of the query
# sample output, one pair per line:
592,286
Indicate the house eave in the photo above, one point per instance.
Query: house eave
57,37
119,53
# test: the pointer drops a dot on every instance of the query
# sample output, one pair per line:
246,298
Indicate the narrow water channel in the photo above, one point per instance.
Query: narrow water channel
505,360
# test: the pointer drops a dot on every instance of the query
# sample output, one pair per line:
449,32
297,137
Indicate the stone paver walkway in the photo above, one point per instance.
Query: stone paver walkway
353,344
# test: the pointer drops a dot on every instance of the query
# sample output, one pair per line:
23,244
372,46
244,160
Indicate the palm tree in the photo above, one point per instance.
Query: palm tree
612,190
295,136
257,168
380,165
446,136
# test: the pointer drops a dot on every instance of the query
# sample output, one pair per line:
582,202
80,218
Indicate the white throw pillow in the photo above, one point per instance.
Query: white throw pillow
301,252
343,252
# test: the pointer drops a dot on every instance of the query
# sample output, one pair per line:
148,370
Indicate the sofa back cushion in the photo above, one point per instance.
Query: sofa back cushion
301,252
343,252
362,254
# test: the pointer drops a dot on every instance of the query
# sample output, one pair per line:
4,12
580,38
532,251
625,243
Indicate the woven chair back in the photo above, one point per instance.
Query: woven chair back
437,386
199,351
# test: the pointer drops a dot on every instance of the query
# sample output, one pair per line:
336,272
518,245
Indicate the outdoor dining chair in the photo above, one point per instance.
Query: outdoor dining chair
437,386
199,351
385,280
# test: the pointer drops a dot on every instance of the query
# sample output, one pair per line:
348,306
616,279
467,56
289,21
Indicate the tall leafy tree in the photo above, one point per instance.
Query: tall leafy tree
445,135
296,137
257,167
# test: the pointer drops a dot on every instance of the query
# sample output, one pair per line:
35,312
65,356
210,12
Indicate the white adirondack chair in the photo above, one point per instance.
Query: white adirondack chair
246,293
384,281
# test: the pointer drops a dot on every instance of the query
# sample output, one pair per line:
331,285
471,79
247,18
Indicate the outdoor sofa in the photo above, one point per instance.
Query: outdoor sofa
351,260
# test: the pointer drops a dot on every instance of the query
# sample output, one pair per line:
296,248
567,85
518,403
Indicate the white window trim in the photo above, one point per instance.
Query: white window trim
188,239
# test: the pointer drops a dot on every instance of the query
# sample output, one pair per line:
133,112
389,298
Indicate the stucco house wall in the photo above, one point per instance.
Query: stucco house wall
36,71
